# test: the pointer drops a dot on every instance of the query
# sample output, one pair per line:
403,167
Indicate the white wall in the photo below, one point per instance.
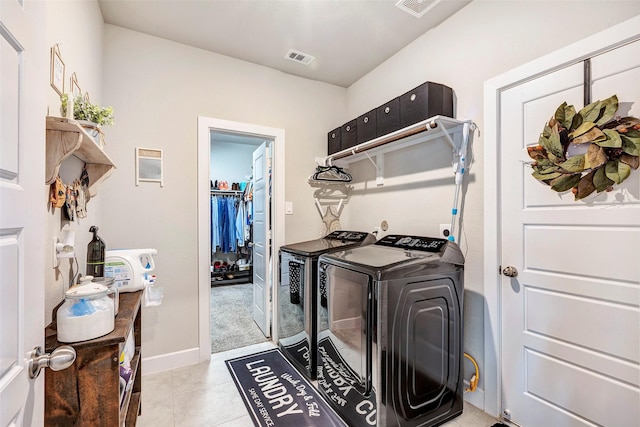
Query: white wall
158,89
77,28
231,162
484,39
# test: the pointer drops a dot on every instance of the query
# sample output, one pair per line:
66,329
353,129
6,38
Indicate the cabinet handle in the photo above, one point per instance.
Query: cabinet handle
386,110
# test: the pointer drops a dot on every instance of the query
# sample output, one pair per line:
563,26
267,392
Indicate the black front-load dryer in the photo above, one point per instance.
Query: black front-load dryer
390,337
299,297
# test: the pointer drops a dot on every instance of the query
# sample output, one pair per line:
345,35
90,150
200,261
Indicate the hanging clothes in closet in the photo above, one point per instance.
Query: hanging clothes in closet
230,221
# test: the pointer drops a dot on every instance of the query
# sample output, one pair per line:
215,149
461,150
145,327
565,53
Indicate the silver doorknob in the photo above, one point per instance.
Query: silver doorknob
60,358
510,271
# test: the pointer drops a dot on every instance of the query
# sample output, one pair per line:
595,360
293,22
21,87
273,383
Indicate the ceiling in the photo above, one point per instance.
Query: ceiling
348,38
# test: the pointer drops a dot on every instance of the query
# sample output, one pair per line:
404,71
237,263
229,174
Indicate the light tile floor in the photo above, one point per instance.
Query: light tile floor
205,395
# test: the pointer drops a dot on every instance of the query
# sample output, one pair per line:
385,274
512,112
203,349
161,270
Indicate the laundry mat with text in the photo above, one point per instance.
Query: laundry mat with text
275,394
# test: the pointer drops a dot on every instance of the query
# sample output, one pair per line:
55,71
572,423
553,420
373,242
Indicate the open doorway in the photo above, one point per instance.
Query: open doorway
232,239
225,271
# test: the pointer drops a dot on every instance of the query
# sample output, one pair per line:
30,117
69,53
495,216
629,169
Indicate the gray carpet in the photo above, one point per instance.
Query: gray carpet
232,324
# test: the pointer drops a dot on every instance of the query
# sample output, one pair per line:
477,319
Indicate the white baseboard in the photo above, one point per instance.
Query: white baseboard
165,362
475,398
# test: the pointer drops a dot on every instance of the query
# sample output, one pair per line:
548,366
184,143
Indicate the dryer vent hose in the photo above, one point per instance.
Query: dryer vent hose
473,382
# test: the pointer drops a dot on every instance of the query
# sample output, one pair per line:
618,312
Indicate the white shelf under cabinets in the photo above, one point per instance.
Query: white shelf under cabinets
455,132
65,137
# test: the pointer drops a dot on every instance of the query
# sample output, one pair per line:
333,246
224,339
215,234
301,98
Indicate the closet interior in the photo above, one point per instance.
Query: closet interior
231,232
232,237
231,207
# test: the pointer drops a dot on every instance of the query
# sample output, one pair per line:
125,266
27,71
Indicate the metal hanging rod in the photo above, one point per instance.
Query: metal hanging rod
227,192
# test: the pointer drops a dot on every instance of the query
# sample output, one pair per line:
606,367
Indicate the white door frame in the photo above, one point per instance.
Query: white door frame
205,126
606,40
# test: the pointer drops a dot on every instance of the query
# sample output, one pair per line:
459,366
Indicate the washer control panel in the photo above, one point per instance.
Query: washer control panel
347,236
413,243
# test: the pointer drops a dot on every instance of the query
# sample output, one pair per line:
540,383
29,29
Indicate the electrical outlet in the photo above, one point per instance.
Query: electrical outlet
445,230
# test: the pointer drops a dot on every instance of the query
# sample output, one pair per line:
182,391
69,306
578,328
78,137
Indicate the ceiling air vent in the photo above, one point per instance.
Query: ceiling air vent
300,57
417,8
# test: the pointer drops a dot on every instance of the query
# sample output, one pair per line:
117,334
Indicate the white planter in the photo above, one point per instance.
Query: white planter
94,131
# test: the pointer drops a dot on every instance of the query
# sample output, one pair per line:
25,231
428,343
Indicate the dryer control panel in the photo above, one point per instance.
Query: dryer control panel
413,243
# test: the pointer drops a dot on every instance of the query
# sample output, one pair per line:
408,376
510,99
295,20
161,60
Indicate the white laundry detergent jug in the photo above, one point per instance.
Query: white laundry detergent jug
130,268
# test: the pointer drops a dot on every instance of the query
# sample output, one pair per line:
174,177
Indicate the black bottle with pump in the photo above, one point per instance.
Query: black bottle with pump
95,254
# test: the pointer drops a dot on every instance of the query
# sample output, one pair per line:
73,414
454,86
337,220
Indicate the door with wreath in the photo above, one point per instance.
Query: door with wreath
570,318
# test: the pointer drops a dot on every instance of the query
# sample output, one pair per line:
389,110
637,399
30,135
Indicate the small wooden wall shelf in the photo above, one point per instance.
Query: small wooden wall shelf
87,393
65,137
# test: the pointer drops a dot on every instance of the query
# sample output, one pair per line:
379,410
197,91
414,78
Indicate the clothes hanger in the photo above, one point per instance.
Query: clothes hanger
331,173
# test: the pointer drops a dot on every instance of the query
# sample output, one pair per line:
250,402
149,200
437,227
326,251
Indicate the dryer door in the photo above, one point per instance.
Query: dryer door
346,356
349,319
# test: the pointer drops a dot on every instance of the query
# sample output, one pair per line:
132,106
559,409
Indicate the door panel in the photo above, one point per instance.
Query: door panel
571,318
621,79
588,244
10,69
23,69
582,322
615,401
261,248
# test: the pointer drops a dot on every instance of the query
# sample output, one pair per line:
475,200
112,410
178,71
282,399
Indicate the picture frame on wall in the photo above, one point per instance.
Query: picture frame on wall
149,166
74,86
57,70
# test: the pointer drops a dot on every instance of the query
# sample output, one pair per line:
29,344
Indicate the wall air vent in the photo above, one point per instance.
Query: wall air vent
417,8
302,58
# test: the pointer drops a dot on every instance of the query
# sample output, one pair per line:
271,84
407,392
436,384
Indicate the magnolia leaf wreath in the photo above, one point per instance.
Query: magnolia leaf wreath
612,149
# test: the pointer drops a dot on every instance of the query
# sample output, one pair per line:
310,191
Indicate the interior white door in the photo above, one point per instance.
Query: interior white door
22,209
261,239
570,318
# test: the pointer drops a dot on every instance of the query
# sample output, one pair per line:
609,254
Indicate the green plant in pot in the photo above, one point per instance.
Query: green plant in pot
90,116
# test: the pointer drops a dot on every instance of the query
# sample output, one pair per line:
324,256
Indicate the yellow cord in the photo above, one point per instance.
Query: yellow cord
473,383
